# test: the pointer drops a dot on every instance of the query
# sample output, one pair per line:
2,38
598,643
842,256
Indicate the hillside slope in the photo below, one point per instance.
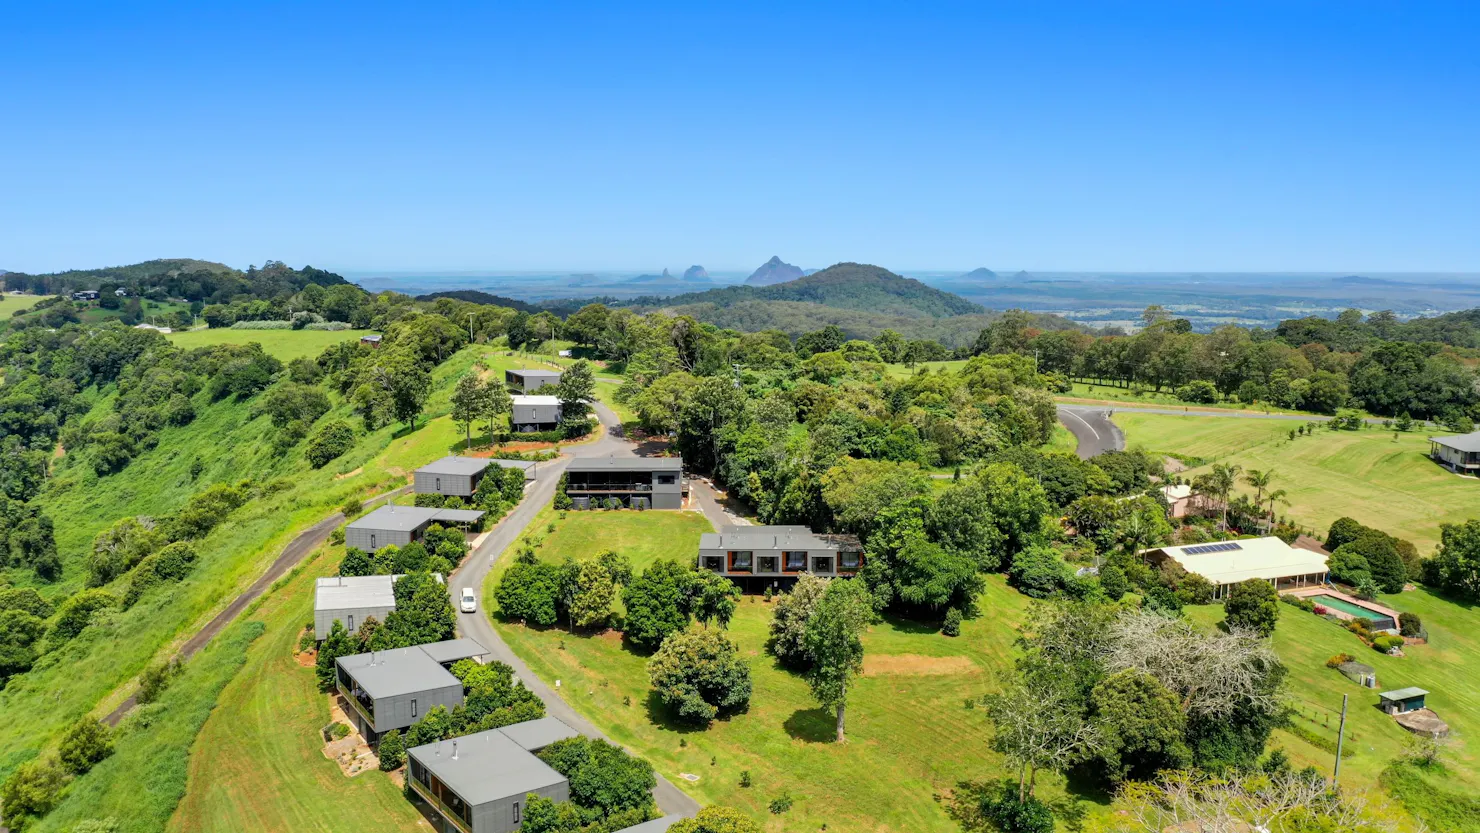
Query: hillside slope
854,286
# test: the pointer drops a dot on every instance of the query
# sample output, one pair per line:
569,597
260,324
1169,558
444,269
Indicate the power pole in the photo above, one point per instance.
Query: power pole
1340,737
470,328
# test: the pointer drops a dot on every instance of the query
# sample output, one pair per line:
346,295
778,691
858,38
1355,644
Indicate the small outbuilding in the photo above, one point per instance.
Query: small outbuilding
529,380
400,525
370,341
351,600
479,783
1360,673
1402,700
534,413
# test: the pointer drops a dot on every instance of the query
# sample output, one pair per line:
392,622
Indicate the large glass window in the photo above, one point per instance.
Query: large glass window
795,561
667,479
715,563
850,560
822,564
767,564
740,561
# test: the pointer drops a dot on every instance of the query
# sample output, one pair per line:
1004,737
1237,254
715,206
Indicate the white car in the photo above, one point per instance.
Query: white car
468,602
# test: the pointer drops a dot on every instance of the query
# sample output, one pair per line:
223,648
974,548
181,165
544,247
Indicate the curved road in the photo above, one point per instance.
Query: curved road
472,572
1092,427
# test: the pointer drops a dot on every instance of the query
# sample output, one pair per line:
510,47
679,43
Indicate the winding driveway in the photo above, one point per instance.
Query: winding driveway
1092,427
472,572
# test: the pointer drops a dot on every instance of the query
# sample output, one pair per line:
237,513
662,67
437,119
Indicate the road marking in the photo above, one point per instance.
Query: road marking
1084,421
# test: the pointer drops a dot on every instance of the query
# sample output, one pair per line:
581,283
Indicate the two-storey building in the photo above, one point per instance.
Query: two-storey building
761,556
385,690
634,482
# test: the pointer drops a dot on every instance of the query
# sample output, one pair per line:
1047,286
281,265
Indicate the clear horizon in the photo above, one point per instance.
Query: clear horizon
1161,138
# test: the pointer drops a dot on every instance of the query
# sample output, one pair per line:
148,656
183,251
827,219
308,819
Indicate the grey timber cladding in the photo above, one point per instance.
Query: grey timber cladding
530,380
402,684
534,410
351,599
490,773
452,475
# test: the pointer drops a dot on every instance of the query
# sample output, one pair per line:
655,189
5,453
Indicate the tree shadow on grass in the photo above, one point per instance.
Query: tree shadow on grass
911,626
662,716
812,725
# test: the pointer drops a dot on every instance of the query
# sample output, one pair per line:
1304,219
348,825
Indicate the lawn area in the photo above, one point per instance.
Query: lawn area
911,736
901,371
1062,439
1092,393
12,304
1391,485
259,763
1448,667
286,345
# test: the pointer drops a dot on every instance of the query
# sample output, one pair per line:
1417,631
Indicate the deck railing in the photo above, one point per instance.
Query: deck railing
443,810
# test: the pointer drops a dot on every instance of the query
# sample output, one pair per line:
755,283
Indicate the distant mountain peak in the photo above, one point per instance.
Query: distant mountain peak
665,274
773,271
980,273
1023,275
696,273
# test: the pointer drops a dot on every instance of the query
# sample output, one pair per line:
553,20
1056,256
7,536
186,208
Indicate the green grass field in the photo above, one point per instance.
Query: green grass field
259,763
1363,474
1448,667
12,304
286,345
911,735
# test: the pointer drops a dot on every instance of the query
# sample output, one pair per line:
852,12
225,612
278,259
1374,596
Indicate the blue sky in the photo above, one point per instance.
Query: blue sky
531,136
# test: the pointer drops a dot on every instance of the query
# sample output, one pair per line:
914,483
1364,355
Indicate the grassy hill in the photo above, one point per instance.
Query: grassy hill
475,296
286,345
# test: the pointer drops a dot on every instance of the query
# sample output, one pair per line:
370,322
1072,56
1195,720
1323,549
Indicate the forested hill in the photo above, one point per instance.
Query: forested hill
855,286
193,280
477,296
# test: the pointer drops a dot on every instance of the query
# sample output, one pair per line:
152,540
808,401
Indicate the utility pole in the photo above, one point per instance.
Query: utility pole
470,328
1340,738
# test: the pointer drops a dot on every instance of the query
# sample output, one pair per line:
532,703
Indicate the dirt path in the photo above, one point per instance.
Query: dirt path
296,550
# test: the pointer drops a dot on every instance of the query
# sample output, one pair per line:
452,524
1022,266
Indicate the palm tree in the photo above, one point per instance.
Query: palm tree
1275,496
1218,484
1260,480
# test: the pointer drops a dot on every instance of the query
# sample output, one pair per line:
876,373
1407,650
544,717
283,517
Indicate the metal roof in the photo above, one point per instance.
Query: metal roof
453,650
537,734
655,826
1230,562
344,592
774,538
625,464
397,671
408,518
485,766
1460,442
1403,693
535,399
513,464
455,465
535,373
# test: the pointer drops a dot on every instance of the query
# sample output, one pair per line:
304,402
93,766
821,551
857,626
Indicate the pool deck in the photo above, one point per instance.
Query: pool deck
1305,592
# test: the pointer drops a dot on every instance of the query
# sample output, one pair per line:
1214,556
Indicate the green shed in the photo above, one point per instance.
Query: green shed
1402,700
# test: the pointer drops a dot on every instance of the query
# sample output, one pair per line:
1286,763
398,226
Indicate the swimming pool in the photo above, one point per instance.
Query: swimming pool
1381,621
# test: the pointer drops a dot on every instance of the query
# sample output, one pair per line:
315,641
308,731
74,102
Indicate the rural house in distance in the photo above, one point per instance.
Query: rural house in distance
1459,453
759,556
1226,563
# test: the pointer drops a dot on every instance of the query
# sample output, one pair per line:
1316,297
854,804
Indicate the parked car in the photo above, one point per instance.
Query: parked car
468,602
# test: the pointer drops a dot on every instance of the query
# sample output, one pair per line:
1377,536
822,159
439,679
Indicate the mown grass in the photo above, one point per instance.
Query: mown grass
1386,483
95,671
286,345
139,786
13,304
259,763
1448,667
911,734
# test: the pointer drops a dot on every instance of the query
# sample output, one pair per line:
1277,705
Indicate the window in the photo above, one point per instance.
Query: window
351,621
666,480
715,563
372,542
850,560
439,484
822,564
768,564
516,812
740,561
796,561
413,707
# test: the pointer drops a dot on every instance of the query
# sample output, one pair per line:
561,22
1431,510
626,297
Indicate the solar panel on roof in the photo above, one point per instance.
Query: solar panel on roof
1222,546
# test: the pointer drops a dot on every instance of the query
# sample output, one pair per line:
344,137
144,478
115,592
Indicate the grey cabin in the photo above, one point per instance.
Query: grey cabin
351,600
634,482
534,413
393,689
479,783
530,380
771,555
1459,453
451,475
400,525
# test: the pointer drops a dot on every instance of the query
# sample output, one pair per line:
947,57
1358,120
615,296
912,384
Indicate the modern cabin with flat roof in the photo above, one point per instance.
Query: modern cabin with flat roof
529,380
393,689
529,467
351,600
1459,453
1226,563
400,525
760,556
534,413
479,783
634,482
452,475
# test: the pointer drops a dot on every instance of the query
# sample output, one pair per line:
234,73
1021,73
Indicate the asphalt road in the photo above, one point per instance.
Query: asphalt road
1092,428
671,800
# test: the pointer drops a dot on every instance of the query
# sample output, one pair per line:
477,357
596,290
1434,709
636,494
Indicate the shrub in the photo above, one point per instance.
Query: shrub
332,441
338,731
156,678
85,743
1200,391
787,641
392,751
1337,660
1410,625
170,564
1386,642
352,506
952,624
745,778
75,613
32,790
1007,814
780,804
700,674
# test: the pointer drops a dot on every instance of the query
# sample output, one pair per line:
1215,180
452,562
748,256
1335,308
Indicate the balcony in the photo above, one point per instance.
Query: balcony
365,711
607,488
443,810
